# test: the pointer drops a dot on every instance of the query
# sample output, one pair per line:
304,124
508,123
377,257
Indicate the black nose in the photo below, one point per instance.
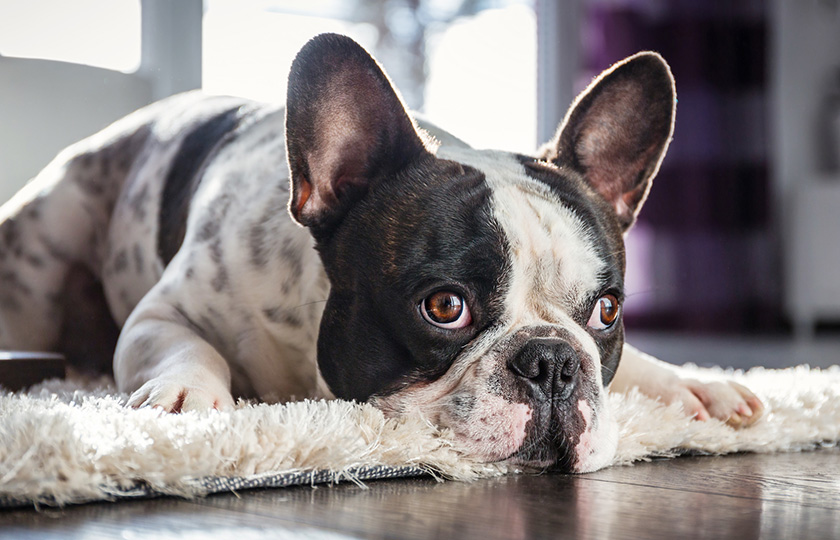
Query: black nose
548,365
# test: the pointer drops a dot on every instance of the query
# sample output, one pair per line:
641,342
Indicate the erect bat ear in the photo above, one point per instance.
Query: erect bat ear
617,131
346,129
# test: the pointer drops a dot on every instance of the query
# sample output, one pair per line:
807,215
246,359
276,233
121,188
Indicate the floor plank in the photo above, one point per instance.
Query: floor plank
740,496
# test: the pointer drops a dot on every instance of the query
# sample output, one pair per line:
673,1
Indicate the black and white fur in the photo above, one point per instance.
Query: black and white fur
188,212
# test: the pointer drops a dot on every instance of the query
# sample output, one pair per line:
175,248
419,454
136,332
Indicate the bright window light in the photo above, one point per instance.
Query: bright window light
247,49
482,69
482,83
101,33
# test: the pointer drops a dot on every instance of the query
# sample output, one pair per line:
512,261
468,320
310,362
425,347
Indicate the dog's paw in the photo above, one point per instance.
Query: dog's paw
727,401
173,396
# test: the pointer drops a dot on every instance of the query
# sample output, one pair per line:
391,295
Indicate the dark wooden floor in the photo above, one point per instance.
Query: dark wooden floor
789,496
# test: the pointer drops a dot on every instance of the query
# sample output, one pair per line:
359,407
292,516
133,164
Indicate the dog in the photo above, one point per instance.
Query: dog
360,254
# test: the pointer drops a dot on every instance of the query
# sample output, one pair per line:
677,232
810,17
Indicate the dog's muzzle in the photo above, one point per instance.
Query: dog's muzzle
557,379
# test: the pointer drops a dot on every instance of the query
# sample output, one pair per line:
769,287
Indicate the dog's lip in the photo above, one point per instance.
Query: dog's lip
511,459
533,466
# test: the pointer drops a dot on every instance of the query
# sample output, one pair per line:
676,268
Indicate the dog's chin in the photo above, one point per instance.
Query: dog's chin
562,439
550,453
532,456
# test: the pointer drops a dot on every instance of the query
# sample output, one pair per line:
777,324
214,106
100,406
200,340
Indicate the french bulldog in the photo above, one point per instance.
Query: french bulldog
338,248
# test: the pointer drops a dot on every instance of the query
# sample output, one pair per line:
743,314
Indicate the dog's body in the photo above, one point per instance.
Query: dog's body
481,289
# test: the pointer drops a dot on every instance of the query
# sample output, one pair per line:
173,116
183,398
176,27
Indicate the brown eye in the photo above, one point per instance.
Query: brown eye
446,310
605,312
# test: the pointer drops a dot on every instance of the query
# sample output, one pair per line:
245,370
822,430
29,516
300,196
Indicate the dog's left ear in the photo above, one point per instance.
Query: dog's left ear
346,130
617,131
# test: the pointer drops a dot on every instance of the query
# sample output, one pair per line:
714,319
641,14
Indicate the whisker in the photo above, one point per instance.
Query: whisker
309,304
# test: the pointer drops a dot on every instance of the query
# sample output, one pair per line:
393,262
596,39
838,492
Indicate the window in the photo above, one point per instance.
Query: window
102,33
480,64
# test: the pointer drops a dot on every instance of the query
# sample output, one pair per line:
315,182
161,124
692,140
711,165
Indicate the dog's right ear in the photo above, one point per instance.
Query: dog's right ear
346,129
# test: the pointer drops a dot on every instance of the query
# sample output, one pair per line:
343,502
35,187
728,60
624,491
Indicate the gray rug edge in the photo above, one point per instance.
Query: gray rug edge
191,488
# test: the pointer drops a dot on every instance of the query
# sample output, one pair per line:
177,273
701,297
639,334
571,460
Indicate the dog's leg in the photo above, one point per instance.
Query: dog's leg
727,401
57,222
164,362
174,348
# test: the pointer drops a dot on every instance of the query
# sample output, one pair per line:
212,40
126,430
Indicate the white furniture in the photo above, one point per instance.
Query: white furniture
46,105
813,256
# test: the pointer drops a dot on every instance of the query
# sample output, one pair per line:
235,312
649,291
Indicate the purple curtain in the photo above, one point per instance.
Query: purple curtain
710,242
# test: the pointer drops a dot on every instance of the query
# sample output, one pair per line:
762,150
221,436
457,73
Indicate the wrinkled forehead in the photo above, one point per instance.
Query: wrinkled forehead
557,260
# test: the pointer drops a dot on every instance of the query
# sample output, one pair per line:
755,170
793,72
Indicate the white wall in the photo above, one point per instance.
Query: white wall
806,46
806,49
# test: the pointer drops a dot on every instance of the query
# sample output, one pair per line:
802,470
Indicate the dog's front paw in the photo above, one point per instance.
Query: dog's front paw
173,396
727,401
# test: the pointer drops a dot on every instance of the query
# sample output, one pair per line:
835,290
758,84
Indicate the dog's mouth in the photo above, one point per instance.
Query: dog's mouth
571,435
554,438
550,435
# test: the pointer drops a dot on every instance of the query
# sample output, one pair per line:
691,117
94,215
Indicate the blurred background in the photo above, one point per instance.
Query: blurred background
736,257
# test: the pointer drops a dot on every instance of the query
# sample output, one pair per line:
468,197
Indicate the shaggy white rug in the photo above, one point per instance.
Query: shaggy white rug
73,441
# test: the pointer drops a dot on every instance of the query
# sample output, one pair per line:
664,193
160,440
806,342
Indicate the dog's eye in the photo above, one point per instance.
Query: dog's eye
605,313
446,309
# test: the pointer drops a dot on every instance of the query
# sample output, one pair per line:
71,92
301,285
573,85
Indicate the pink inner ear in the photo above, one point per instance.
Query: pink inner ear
623,182
303,195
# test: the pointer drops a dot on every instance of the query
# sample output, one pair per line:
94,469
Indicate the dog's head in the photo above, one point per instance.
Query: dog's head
480,288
